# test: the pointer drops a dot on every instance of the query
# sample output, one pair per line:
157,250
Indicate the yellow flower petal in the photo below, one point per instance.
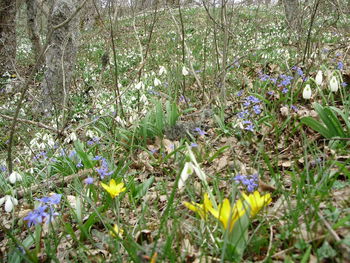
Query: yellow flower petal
116,231
198,208
256,202
114,189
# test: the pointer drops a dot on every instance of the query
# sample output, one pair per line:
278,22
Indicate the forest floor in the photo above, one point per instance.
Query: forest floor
258,174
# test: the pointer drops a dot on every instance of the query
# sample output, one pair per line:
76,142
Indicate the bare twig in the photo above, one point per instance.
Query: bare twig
38,124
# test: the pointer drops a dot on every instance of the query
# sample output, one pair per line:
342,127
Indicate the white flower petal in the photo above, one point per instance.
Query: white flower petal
307,92
2,200
319,78
12,178
8,205
333,84
186,172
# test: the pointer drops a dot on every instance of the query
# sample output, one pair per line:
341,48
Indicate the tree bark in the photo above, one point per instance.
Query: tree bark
8,44
60,57
32,27
291,9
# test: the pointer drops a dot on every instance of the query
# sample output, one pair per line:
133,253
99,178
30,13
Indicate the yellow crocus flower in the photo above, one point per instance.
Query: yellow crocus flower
113,189
116,231
200,209
256,202
227,214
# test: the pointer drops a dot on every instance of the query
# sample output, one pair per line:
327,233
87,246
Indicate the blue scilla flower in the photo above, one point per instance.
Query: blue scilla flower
249,181
103,170
36,216
257,109
54,199
340,65
200,131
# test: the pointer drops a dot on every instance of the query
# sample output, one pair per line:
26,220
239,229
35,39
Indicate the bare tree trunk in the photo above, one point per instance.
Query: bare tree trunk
32,27
291,9
8,42
60,57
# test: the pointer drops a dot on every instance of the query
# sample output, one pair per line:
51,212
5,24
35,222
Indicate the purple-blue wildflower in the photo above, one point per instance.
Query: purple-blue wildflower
340,65
193,145
295,108
72,154
3,168
249,181
257,109
36,216
200,132
286,80
344,84
79,164
51,200
285,90
89,180
253,99
103,169
243,114
97,158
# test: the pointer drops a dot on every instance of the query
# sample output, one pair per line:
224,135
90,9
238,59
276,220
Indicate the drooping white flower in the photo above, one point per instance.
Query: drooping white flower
157,82
10,202
139,85
14,177
184,71
162,70
186,172
319,78
307,92
333,84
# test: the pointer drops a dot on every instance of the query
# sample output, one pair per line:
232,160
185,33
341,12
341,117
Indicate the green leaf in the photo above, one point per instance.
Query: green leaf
85,159
317,126
335,122
142,189
218,152
306,256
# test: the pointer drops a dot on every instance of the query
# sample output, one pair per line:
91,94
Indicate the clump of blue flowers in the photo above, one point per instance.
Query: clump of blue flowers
103,169
251,108
45,212
249,181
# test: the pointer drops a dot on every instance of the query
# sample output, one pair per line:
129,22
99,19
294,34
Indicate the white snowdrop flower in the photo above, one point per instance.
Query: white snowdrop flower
10,202
90,134
144,99
333,84
71,138
120,121
162,71
307,92
157,82
14,177
140,85
319,78
184,71
186,172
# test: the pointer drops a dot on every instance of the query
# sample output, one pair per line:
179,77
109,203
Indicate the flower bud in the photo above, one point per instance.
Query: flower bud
333,84
307,92
319,78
